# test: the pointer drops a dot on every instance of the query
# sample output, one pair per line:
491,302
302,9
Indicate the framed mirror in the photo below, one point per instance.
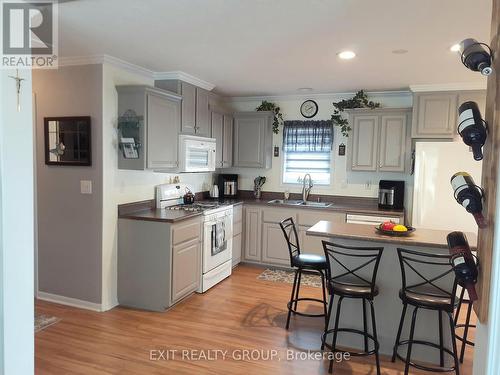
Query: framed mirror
67,140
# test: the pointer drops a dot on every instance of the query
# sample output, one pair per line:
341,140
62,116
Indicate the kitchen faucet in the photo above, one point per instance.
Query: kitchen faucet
306,191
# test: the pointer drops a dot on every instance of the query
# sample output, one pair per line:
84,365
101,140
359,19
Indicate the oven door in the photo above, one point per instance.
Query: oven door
217,242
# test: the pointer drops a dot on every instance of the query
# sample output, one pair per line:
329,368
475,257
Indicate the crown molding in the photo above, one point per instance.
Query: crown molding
184,77
305,96
450,86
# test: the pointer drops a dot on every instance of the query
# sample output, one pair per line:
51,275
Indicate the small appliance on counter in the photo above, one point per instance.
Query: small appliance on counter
228,185
214,192
391,194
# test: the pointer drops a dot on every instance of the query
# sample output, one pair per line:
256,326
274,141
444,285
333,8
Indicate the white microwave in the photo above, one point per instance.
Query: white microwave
196,154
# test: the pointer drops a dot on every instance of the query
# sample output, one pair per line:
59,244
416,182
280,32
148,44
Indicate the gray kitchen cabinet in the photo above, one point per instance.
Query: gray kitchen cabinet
163,130
159,263
202,113
237,233
475,96
378,140
274,246
306,219
218,134
227,142
253,230
364,145
156,135
253,137
392,142
195,114
434,115
185,269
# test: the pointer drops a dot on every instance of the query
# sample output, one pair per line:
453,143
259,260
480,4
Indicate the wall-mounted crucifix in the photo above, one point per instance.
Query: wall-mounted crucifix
18,88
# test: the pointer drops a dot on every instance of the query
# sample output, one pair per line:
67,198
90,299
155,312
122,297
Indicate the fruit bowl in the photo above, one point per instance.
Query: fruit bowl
395,233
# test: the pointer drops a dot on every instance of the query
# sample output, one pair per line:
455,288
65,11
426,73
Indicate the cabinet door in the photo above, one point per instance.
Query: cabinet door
274,245
186,269
218,134
188,108
392,143
163,123
252,233
435,115
202,113
249,133
236,249
311,244
227,149
364,143
475,96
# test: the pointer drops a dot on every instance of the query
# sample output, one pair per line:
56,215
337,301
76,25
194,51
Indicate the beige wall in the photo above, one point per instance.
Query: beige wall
69,223
343,182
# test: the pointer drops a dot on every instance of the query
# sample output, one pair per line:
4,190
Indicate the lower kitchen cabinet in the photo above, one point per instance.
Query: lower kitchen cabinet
237,233
253,233
274,246
186,269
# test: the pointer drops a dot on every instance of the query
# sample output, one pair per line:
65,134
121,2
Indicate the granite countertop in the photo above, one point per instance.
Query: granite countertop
421,237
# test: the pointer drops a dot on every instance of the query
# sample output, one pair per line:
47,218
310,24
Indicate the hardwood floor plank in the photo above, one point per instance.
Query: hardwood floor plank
241,313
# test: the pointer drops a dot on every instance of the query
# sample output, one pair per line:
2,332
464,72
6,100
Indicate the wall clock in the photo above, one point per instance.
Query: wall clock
309,108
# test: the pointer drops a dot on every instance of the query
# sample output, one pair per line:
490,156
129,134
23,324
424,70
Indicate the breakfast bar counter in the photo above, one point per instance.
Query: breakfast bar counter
388,305
421,237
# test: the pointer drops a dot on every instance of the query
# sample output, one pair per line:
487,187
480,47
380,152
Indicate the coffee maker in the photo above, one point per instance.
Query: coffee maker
391,194
228,185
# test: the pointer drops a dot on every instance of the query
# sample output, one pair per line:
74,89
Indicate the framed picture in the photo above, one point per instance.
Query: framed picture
67,140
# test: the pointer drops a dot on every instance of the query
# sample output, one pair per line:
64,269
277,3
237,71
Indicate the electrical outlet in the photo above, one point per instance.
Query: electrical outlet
368,185
86,187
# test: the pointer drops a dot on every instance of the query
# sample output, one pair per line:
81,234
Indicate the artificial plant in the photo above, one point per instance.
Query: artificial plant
278,116
360,100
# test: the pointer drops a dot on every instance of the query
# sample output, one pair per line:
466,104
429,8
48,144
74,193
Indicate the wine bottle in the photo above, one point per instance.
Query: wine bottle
469,195
471,128
463,262
475,57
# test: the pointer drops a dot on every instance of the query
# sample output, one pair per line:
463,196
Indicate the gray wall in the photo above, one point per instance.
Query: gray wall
69,223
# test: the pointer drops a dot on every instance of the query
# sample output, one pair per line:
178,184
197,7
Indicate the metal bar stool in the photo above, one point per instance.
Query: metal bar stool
302,262
351,273
433,287
466,326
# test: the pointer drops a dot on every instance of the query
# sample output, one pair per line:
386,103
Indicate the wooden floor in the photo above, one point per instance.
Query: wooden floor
241,313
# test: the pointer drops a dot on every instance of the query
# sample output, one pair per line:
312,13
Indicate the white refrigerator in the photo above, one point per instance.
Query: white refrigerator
434,205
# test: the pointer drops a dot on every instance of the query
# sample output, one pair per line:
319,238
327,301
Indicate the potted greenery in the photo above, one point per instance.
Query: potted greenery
360,100
278,116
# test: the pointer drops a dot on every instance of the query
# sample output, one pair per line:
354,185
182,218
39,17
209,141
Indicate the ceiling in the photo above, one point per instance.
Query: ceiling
264,47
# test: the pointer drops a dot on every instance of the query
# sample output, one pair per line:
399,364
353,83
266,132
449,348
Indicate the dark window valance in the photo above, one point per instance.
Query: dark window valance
307,136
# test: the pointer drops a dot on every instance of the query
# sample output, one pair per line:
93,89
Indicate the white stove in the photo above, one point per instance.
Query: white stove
217,231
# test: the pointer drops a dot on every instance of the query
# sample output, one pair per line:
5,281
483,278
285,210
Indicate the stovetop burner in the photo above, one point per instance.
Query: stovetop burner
195,207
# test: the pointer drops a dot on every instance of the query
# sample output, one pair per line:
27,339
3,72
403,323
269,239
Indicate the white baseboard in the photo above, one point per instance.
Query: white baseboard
68,301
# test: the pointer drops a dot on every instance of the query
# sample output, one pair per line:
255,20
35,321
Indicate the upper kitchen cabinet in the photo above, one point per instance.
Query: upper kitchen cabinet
378,139
152,142
222,131
435,113
253,137
195,114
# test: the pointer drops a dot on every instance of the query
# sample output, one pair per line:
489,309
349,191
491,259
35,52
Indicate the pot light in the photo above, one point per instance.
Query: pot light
455,47
399,51
346,55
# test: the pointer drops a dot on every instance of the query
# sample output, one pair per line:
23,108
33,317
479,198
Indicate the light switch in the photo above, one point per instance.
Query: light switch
86,187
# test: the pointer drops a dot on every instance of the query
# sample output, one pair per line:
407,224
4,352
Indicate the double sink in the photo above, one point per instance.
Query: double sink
292,202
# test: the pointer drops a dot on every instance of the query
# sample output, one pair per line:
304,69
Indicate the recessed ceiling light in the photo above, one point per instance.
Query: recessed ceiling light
304,89
455,48
346,55
400,51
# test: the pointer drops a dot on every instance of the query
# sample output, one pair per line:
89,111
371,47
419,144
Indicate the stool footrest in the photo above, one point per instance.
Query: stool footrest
458,337
422,367
356,331
293,301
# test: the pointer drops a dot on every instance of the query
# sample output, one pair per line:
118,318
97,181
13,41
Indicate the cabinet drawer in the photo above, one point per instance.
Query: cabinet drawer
237,213
237,228
277,215
186,231
310,217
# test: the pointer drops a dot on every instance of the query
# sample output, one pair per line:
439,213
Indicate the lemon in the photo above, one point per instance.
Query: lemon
400,228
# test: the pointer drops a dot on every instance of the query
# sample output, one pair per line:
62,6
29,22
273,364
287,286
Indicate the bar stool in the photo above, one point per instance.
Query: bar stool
300,262
466,326
351,273
433,287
